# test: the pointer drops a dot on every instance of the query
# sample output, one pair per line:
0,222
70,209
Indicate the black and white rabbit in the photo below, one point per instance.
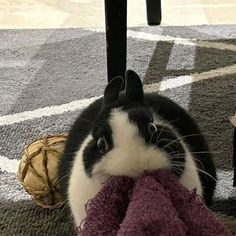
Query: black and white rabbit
125,133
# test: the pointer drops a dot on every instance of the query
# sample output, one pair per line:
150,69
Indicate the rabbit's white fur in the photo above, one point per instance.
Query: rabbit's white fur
130,156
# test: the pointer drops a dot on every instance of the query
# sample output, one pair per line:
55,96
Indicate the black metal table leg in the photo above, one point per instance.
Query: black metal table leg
116,36
153,12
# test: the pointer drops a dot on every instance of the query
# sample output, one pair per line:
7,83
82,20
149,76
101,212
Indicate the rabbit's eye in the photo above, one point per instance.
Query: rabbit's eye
102,145
152,128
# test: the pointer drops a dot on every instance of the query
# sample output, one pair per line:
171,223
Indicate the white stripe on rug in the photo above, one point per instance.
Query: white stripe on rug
188,79
184,41
80,104
8,165
178,40
45,111
148,36
157,37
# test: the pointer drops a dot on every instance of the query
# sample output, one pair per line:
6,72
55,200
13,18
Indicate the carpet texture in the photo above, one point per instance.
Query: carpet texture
48,76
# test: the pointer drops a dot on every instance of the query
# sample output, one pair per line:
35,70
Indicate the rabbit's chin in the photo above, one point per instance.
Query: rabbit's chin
82,188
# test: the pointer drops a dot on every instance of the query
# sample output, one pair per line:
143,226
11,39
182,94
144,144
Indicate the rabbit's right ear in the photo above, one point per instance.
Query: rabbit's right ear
134,86
111,92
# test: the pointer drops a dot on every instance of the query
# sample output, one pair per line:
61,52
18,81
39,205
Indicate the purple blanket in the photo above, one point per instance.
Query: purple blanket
154,204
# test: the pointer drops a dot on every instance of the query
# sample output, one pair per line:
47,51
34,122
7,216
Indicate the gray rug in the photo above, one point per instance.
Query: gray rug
45,75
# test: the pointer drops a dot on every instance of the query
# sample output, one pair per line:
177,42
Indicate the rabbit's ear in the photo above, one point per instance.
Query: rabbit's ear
111,92
134,86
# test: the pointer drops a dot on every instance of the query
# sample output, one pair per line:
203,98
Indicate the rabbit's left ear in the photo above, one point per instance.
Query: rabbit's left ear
111,92
134,86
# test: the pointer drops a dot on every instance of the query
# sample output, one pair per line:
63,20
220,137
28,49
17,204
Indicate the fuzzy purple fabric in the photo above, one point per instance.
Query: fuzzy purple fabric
154,204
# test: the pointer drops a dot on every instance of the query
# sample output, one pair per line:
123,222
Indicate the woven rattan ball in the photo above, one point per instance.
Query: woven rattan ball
37,170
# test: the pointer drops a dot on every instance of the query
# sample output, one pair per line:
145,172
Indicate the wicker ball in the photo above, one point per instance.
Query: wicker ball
37,170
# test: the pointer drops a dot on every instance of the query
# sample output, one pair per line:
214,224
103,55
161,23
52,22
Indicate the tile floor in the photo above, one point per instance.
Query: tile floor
90,13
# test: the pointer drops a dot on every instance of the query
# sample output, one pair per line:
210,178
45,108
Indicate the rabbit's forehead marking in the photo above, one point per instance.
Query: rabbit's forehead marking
128,123
118,118
130,156
122,126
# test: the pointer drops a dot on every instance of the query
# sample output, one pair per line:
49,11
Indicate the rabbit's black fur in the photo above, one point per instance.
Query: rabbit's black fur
161,130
